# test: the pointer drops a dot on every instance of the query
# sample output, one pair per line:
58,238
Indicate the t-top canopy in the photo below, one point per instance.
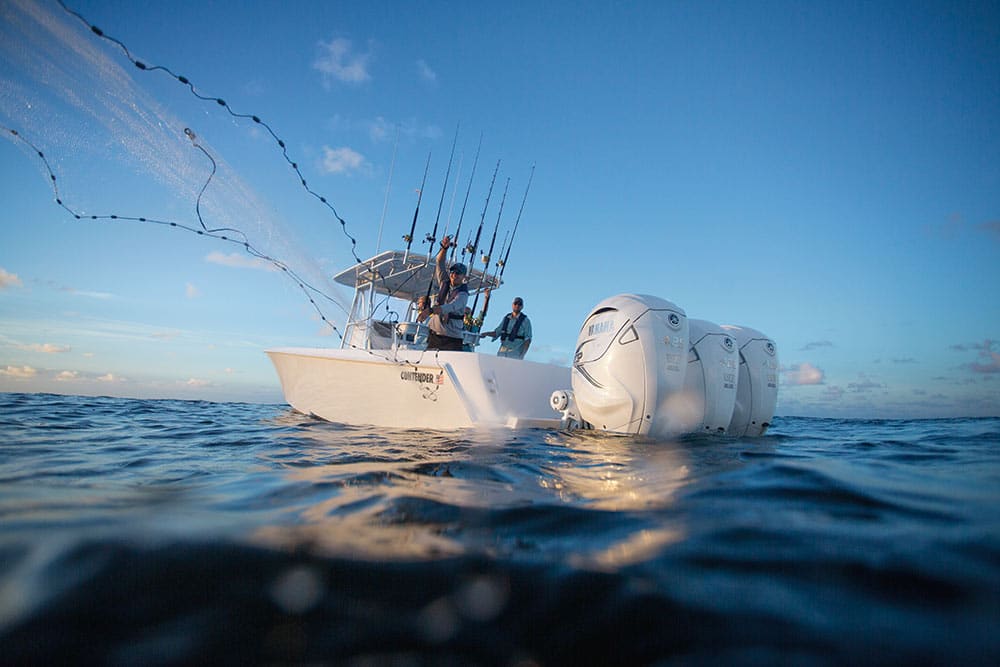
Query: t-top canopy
398,278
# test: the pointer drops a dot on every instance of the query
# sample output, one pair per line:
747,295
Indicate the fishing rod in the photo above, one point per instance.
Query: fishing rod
486,257
473,247
430,238
499,263
494,283
388,187
461,216
420,195
454,192
473,321
503,263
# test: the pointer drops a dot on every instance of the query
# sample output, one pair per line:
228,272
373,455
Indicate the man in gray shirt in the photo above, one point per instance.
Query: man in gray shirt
447,317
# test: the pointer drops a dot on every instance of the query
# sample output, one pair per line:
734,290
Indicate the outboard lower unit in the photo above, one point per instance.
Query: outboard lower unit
629,367
643,368
757,387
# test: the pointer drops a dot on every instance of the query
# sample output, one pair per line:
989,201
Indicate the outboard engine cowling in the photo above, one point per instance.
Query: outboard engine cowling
710,380
757,387
629,366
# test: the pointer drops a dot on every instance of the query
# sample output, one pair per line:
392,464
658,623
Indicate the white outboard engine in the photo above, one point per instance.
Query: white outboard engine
629,366
757,387
710,381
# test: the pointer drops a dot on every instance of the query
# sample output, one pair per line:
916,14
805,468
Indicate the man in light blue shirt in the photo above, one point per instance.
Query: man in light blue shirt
514,332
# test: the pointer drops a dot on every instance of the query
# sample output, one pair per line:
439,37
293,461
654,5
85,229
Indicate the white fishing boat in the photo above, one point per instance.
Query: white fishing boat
640,367
383,375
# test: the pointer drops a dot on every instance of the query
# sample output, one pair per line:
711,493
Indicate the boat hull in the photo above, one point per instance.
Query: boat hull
419,389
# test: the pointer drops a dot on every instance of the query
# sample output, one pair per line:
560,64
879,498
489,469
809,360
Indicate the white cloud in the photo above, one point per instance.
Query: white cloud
195,382
66,376
336,60
238,261
425,72
92,295
22,372
191,291
110,377
46,348
803,374
341,160
8,279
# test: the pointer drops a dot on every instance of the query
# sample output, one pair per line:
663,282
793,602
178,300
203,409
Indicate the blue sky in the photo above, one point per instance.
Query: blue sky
828,173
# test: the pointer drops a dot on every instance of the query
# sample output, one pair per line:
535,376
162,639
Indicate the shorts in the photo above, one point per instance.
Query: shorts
445,343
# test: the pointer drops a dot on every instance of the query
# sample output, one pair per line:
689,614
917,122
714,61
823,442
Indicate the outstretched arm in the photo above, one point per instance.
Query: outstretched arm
440,266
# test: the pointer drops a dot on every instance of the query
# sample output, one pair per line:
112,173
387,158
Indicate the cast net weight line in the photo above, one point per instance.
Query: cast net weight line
253,117
226,234
225,105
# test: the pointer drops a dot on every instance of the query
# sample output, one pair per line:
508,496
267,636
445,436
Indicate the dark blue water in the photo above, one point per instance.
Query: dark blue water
162,532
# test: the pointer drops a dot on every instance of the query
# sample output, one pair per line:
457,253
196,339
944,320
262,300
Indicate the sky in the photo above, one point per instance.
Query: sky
827,173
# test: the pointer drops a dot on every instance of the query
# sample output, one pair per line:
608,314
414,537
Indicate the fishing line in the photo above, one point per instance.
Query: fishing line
454,193
220,233
256,119
461,216
388,187
503,263
225,105
486,257
432,237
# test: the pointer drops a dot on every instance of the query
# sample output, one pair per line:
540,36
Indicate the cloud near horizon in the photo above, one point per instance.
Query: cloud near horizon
803,374
864,384
338,61
46,348
9,279
990,359
22,372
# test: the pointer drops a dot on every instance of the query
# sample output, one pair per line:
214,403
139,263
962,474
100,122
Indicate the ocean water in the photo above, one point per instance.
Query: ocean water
164,532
